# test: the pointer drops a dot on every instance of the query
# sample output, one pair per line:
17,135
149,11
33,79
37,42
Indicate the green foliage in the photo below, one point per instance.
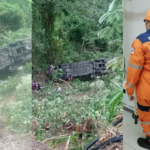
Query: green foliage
11,17
10,36
56,75
9,81
77,28
16,108
102,100
42,29
115,63
72,139
115,102
61,35
65,32
15,21
25,6
96,103
18,114
28,68
113,32
113,18
8,86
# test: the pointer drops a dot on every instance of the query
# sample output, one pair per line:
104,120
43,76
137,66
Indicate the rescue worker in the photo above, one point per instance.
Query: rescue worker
36,86
58,89
138,76
33,85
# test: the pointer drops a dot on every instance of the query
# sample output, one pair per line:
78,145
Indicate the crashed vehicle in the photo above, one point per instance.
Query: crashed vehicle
79,69
15,54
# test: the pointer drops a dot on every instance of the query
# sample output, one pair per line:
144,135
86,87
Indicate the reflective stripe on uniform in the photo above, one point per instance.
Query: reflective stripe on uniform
147,132
145,122
135,67
143,108
130,85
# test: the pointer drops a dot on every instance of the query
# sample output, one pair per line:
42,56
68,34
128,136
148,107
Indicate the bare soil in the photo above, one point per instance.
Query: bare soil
20,142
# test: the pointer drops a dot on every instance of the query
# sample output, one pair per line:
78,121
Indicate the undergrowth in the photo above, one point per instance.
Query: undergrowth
16,101
100,99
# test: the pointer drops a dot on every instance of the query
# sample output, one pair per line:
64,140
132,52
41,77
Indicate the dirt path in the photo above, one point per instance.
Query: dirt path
21,142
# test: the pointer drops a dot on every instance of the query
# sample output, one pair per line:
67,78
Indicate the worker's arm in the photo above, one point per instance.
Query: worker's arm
135,66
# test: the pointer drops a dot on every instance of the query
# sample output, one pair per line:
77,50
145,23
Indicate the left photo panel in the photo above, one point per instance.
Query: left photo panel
15,74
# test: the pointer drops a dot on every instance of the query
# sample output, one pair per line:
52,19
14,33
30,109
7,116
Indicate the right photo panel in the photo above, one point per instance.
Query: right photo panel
136,84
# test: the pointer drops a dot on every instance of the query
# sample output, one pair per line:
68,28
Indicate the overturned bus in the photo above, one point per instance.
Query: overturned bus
79,69
15,54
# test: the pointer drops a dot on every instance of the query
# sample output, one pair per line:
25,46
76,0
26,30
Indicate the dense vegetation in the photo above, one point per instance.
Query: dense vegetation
15,91
16,100
15,21
68,31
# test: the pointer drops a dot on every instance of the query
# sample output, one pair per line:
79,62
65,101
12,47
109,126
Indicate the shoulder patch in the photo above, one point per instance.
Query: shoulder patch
132,52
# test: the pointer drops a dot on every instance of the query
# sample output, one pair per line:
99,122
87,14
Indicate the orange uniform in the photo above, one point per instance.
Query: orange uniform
138,76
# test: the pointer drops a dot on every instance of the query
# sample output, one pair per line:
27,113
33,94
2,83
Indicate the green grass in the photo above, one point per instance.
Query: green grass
99,102
16,102
101,99
9,36
10,80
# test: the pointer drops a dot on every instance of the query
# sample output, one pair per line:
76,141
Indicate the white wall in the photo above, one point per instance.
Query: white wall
134,12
